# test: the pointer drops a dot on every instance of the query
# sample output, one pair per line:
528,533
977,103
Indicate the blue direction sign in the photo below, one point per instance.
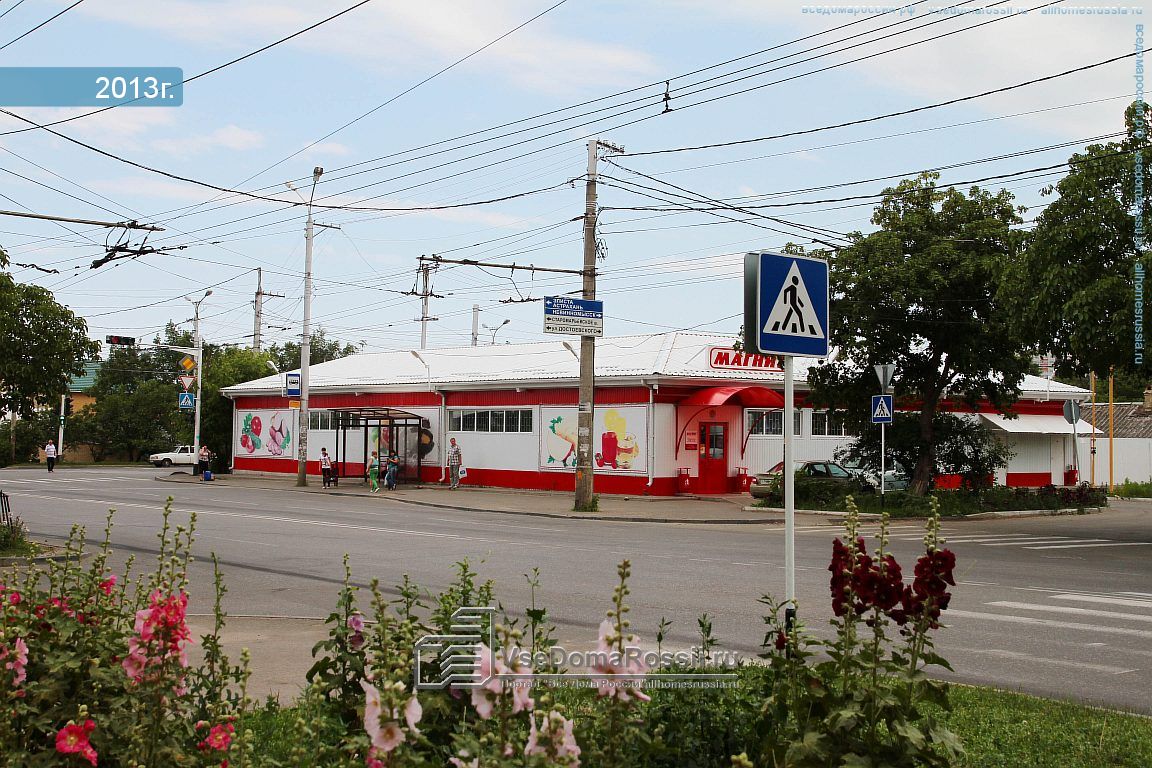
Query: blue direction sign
573,317
786,304
292,385
881,409
187,401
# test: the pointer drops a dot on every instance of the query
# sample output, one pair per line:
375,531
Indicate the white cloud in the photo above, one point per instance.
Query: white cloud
229,137
414,39
116,129
1007,51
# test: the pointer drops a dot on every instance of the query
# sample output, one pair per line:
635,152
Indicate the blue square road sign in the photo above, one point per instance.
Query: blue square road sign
786,304
881,409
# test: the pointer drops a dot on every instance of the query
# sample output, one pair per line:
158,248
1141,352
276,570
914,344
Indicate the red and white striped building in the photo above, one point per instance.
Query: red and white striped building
674,412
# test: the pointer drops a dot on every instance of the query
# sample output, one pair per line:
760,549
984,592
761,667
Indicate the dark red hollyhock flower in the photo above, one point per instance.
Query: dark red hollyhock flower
843,579
781,640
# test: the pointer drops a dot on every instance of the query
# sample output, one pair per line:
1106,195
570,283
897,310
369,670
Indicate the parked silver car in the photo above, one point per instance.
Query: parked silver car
895,478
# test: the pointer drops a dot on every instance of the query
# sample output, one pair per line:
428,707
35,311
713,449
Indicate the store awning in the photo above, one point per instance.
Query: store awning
748,395
1037,424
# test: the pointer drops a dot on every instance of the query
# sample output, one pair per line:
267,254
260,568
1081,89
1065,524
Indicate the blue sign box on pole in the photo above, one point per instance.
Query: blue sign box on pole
786,304
881,409
292,385
187,401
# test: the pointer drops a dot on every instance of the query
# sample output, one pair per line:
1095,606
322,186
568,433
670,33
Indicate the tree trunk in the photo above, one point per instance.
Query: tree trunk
926,464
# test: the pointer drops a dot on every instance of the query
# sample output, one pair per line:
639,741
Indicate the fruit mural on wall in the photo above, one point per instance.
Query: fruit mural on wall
266,433
620,435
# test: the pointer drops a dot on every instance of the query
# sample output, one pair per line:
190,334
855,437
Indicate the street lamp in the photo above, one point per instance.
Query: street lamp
568,347
199,344
496,328
272,364
427,368
306,337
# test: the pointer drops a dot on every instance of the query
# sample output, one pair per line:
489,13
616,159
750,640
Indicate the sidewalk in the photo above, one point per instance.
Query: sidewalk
726,509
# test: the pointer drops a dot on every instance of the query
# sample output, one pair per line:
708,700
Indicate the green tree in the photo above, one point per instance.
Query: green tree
21,439
225,366
42,345
1073,288
321,350
921,293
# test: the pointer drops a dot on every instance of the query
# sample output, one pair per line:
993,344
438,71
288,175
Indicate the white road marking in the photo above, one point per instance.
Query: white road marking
1136,594
1006,654
1111,544
1007,619
1070,610
1063,540
1104,600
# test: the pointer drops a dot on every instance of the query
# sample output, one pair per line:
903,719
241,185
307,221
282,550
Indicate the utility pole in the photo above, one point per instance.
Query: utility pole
60,436
258,322
475,324
425,294
305,341
199,344
584,419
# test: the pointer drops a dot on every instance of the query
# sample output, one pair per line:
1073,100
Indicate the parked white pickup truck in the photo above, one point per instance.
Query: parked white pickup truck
181,454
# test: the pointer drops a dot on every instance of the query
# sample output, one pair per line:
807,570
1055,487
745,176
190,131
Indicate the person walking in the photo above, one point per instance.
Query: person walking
391,470
374,472
205,460
50,454
455,461
326,467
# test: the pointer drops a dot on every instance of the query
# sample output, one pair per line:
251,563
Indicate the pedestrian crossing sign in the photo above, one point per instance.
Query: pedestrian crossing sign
786,304
187,401
881,409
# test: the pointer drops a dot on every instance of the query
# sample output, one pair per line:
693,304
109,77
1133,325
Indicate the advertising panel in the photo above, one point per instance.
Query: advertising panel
619,439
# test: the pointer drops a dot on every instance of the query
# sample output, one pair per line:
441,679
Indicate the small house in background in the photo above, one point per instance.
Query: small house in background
79,398
1131,431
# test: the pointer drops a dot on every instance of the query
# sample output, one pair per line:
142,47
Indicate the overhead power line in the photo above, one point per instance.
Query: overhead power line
90,222
41,25
886,116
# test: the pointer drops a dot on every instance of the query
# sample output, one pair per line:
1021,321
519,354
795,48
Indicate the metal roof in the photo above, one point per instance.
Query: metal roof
1130,419
84,382
679,355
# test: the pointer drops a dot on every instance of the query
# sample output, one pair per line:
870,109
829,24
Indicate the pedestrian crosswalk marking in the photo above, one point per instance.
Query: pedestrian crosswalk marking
1060,539
1062,625
792,314
1109,544
1104,600
1069,610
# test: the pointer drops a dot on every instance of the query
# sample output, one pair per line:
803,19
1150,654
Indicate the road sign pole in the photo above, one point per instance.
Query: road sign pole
789,495
882,452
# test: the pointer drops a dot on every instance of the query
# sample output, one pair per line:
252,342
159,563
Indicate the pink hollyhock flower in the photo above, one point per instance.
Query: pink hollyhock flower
19,661
73,739
14,598
161,634
626,674
107,585
484,695
391,736
512,664
219,738
372,710
412,714
555,737
356,622
459,761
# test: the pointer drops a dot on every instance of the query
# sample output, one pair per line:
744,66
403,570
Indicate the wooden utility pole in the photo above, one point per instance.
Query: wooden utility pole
584,493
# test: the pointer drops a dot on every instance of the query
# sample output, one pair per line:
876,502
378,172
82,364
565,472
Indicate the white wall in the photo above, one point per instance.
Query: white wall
765,451
500,450
1133,460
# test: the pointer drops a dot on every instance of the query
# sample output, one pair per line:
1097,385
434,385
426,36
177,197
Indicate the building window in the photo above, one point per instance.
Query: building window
771,423
828,424
322,420
490,421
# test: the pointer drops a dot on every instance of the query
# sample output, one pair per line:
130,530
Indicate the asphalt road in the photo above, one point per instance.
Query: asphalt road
1057,606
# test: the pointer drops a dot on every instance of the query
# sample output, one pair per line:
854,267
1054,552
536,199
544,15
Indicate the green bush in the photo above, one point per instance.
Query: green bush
14,539
1130,489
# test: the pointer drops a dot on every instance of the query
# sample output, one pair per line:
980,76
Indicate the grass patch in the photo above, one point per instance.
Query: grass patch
14,540
1012,730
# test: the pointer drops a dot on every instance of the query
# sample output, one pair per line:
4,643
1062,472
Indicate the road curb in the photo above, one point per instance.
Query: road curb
1018,513
522,513
57,556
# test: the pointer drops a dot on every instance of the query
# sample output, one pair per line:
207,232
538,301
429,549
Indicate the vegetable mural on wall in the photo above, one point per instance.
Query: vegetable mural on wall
619,439
266,433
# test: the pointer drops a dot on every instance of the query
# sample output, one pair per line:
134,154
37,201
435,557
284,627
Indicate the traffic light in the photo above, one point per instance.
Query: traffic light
123,341
68,406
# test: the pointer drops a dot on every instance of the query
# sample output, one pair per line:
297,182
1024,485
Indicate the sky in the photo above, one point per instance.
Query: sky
512,121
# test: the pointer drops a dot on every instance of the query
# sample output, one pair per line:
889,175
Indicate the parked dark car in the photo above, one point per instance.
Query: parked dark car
827,471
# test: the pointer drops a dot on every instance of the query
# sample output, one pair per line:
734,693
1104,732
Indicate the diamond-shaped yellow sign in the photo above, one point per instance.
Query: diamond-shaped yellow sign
188,363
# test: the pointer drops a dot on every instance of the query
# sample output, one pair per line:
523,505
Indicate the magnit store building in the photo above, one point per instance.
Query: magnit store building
674,413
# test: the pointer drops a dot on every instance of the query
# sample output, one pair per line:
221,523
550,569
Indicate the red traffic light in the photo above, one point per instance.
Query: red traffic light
124,341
